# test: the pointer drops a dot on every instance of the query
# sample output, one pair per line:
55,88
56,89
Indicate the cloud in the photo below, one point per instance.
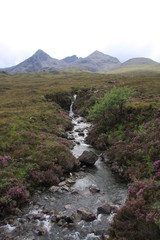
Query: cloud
61,28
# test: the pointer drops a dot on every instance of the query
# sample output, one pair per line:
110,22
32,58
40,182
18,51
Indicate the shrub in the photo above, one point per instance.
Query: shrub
113,102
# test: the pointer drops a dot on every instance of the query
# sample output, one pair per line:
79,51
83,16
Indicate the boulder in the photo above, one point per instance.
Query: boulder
86,215
104,209
88,158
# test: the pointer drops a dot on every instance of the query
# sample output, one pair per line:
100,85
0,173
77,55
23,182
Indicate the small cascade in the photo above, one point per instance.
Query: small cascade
71,106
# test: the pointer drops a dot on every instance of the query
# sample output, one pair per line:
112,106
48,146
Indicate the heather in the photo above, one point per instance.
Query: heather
130,140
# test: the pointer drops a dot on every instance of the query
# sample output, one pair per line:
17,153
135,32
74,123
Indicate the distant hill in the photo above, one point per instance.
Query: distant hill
138,66
138,62
95,62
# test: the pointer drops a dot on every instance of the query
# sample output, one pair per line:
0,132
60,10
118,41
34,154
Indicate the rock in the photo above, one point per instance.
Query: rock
94,188
41,231
74,191
54,219
65,188
62,184
37,216
70,218
53,189
104,209
88,158
70,181
105,237
114,209
45,211
81,134
86,215
68,206
70,137
61,222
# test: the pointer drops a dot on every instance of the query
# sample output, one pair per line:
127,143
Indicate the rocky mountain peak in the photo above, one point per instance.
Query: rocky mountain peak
41,55
96,55
70,59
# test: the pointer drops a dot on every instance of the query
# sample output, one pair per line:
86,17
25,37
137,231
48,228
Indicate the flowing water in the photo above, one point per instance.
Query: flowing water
37,222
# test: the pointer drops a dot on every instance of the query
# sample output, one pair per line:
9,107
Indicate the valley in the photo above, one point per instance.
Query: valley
35,151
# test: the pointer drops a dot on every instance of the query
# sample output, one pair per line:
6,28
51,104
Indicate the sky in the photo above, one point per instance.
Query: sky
121,28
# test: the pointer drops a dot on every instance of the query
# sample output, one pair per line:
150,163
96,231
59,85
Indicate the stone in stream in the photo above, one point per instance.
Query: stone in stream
81,134
41,231
94,188
88,158
86,215
104,209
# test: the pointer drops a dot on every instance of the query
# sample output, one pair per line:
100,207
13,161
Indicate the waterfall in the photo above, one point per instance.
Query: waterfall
71,106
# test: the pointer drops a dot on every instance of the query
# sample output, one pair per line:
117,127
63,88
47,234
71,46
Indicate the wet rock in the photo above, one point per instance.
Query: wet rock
74,191
45,211
105,237
114,209
65,188
54,218
88,158
60,191
70,137
104,209
70,181
61,222
37,216
62,184
72,226
30,217
53,189
86,215
81,134
68,206
79,130
94,188
41,231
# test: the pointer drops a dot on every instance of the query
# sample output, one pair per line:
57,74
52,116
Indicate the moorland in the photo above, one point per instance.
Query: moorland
35,151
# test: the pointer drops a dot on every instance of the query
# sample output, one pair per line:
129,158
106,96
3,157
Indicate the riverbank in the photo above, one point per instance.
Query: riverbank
130,142
79,207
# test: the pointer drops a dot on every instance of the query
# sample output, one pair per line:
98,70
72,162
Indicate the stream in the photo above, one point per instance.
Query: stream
53,214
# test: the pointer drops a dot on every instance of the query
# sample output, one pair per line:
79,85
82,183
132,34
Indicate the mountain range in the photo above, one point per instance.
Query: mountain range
95,62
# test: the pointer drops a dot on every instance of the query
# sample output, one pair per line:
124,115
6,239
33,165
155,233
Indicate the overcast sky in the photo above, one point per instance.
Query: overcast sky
121,28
